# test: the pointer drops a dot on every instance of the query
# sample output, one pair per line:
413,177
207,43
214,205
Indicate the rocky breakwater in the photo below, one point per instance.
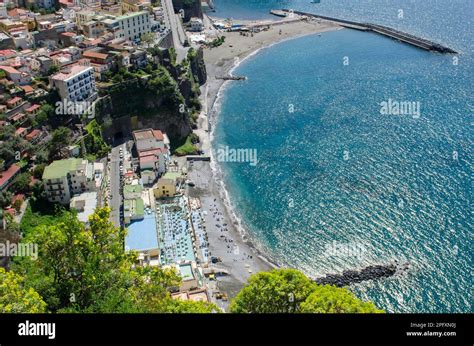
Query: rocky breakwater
373,272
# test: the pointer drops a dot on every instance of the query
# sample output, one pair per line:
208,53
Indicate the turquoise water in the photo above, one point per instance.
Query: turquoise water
441,20
336,171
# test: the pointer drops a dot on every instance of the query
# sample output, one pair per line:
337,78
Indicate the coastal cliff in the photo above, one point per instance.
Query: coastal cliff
192,8
198,66
143,102
164,95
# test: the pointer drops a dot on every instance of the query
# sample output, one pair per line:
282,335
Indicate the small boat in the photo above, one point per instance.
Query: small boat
279,13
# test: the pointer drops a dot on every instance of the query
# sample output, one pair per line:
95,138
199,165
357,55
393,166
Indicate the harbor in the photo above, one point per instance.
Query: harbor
382,30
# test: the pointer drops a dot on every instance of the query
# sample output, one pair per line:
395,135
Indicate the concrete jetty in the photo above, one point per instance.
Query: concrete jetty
382,30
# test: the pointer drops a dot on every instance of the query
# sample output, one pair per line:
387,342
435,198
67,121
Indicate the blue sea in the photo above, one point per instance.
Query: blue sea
342,184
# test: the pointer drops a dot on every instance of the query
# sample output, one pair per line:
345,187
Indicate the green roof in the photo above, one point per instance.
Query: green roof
186,271
139,207
136,206
132,189
60,169
130,15
172,175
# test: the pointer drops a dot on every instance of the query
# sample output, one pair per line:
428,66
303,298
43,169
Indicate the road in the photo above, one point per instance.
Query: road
115,189
174,23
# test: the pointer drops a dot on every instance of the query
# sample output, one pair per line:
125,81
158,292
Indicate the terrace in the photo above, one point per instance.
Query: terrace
175,241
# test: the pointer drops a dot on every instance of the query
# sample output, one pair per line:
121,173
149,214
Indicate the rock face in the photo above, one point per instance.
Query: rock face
133,105
349,277
174,127
185,87
192,8
198,67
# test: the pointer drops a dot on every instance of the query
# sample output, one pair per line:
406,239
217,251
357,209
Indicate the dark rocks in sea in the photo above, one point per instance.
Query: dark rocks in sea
373,272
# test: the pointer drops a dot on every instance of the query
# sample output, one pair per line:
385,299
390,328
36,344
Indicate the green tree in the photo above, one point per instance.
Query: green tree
46,112
5,199
288,291
85,269
148,38
15,297
331,299
17,205
22,182
38,170
277,291
61,138
94,140
52,70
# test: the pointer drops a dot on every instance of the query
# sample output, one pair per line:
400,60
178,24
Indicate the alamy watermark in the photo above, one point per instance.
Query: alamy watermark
242,155
394,107
337,249
8,249
66,107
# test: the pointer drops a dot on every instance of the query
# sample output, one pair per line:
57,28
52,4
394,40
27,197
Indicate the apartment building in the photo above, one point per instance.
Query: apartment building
76,83
132,26
17,77
134,5
153,153
7,177
63,179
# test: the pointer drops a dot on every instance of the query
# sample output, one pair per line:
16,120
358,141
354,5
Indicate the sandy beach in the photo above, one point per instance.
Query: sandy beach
227,239
239,258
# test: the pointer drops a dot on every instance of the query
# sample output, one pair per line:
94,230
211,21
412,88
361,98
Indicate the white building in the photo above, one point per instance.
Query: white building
76,84
85,205
132,26
64,179
196,24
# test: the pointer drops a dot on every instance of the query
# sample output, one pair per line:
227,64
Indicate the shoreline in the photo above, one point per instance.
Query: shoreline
223,60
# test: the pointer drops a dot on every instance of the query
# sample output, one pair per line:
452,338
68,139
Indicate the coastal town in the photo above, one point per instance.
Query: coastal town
219,165
112,104
64,139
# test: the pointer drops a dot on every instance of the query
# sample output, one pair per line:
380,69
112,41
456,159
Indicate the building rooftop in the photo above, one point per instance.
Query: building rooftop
186,271
172,175
33,134
60,168
166,181
85,204
20,130
32,108
175,240
6,175
131,14
148,134
132,189
27,89
9,69
199,296
94,55
7,52
73,71
142,235
14,100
